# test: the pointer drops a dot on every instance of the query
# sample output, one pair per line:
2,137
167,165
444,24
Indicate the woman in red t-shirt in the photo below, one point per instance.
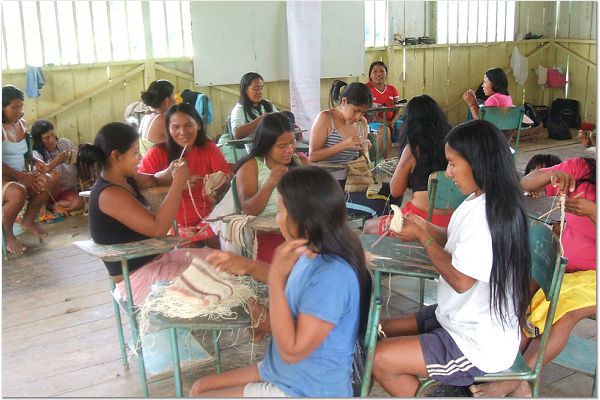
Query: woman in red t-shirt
187,139
384,95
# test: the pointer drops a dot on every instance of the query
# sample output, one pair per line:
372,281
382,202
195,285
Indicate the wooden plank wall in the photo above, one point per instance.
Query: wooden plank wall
441,71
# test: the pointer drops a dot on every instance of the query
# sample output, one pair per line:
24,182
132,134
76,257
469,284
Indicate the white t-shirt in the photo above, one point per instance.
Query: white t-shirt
467,318
238,118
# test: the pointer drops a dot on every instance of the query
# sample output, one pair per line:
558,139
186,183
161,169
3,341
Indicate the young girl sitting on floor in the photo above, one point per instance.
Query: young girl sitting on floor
484,274
319,290
55,155
118,212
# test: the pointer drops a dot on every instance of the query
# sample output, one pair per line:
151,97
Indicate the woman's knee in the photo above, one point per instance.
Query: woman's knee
15,192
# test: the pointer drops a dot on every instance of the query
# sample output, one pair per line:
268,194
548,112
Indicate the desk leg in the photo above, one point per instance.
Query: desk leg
175,357
372,336
135,333
215,335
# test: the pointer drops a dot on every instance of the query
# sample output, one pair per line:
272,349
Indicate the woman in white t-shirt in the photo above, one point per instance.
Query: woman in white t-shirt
251,106
484,274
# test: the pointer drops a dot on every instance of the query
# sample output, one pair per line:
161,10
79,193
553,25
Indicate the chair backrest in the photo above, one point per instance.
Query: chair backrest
29,164
547,269
236,198
504,118
546,257
443,193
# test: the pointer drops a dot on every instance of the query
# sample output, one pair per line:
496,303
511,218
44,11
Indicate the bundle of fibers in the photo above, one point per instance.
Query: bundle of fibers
200,291
213,182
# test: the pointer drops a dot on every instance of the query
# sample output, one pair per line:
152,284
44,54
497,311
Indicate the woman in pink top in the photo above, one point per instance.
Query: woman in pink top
495,86
575,177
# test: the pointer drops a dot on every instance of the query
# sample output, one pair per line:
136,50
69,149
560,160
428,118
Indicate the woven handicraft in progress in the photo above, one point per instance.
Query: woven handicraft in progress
200,291
397,221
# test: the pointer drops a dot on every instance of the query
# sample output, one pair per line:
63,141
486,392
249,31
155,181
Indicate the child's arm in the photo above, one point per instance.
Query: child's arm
295,340
537,179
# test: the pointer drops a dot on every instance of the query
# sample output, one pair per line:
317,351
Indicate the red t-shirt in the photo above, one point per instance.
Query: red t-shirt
579,236
384,99
201,161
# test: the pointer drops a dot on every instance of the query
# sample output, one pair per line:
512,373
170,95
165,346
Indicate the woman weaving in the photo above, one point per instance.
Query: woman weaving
118,212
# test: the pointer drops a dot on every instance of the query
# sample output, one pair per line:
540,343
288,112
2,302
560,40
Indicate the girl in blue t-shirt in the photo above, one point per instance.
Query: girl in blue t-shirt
319,290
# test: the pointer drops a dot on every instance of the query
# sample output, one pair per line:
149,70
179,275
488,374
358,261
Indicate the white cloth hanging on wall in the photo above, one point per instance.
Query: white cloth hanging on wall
304,54
542,73
519,65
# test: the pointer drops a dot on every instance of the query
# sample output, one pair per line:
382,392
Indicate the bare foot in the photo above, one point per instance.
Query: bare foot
523,390
13,246
494,389
34,228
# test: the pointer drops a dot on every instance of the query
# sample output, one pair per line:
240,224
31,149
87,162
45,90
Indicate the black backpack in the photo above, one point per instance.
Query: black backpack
557,128
531,113
568,110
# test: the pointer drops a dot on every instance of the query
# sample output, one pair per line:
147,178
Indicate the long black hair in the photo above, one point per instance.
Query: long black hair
173,149
541,161
321,218
112,136
157,91
335,92
485,148
251,111
426,127
10,93
498,79
40,127
269,129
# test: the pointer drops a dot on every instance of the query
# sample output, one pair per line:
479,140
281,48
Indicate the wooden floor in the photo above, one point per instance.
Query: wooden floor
59,335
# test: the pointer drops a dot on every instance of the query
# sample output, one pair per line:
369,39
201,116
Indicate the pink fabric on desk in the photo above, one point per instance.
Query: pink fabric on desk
498,100
579,236
164,268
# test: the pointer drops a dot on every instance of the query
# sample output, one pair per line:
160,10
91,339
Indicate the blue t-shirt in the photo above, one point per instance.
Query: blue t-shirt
327,288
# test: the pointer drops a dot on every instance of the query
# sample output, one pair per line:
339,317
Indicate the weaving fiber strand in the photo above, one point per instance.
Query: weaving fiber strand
397,220
200,291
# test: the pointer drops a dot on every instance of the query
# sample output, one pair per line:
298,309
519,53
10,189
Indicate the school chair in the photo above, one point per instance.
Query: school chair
547,269
443,195
581,355
505,119
233,149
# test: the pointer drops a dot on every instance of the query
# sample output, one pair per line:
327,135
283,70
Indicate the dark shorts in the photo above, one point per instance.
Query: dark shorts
443,359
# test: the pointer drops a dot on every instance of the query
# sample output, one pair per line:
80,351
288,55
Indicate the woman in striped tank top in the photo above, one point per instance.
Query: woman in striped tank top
338,132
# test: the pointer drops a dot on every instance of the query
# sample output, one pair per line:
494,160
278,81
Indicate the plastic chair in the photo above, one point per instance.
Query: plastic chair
505,119
547,269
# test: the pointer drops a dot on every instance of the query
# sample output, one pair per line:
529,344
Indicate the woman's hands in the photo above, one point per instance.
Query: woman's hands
180,172
413,229
352,142
229,262
469,97
285,257
581,206
563,181
276,174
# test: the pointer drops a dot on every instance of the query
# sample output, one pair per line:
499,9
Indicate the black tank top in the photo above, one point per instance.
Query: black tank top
107,230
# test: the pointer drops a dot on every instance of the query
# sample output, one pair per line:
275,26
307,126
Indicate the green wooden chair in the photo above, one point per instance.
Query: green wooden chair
505,119
443,195
547,269
233,149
